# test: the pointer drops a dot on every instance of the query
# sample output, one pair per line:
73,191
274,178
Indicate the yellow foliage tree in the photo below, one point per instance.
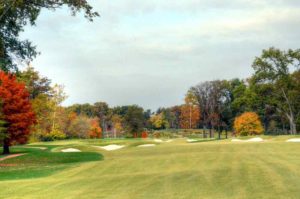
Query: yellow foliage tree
159,121
248,124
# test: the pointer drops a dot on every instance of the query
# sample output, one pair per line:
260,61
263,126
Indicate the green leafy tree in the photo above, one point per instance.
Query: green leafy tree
134,120
15,14
273,79
35,84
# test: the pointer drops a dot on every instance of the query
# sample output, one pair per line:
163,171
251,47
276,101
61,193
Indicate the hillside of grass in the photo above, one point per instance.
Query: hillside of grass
214,169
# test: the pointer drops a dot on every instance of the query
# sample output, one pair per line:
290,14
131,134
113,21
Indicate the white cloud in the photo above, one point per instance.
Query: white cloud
151,52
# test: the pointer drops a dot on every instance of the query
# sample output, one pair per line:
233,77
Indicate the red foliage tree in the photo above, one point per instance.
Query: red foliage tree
95,131
144,134
16,111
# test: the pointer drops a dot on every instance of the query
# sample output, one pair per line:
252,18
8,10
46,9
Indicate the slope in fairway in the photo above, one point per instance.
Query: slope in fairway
216,169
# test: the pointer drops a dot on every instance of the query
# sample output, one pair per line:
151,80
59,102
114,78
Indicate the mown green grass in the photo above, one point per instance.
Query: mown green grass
215,169
38,163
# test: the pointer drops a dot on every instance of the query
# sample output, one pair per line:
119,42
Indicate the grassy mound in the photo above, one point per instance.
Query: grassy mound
38,162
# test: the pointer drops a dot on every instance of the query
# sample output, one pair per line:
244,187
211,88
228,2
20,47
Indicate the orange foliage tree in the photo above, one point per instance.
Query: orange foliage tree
144,134
189,116
16,111
95,130
248,124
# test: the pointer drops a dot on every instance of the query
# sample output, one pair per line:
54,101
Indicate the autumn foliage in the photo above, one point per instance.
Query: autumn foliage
16,110
144,134
248,124
95,130
189,116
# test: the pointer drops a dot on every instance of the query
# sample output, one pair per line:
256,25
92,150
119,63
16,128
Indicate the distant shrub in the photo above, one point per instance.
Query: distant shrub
144,134
156,134
248,124
55,134
162,134
128,135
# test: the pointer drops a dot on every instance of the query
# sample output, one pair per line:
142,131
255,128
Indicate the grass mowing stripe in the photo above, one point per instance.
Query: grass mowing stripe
173,170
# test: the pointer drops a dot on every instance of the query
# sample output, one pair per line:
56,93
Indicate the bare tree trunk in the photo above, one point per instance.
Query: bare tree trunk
190,117
293,129
290,114
53,120
5,147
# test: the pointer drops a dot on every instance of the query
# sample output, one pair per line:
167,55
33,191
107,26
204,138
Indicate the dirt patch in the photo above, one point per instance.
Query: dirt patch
8,165
11,156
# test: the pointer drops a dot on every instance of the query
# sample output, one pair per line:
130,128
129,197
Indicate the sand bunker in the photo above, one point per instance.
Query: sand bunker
293,140
236,140
160,141
258,139
146,145
191,140
112,147
70,150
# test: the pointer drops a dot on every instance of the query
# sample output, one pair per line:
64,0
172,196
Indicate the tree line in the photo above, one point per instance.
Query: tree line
31,108
273,92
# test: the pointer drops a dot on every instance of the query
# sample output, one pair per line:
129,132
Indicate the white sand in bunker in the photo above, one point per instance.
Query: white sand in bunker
70,150
160,141
257,139
191,140
293,140
146,145
236,140
111,147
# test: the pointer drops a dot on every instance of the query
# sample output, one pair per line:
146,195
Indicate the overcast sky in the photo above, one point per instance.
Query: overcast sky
150,52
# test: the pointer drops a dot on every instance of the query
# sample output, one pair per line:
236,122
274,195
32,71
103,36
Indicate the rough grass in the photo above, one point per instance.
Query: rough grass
215,169
38,163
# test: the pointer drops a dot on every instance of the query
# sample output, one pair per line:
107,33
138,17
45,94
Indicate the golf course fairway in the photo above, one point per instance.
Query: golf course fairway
177,169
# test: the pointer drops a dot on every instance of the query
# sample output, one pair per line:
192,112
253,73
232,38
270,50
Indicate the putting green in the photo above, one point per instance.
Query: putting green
215,169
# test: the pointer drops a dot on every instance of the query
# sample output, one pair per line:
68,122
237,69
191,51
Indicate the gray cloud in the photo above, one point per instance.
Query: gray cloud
151,52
